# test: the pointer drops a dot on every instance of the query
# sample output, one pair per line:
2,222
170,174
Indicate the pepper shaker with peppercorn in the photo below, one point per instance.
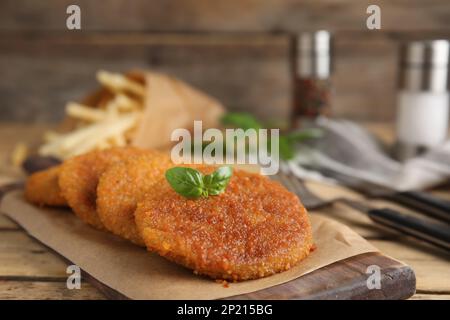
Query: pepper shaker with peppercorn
312,83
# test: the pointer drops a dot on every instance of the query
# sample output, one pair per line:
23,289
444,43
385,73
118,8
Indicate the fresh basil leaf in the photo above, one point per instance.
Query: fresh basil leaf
187,182
191,183
241,120
216,182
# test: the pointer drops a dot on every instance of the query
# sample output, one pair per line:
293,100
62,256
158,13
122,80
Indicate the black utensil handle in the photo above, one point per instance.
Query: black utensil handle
428,199
4,189
434,233
424,203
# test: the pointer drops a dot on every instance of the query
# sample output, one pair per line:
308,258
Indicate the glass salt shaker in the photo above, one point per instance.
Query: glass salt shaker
312,83
422,99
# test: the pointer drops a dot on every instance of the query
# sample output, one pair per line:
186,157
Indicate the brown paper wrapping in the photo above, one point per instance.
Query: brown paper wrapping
171,104
138,274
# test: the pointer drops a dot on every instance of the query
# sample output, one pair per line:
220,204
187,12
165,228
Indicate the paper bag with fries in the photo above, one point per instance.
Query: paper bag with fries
139,108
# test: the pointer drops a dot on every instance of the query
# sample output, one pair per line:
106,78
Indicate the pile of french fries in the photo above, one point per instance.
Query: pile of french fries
99,127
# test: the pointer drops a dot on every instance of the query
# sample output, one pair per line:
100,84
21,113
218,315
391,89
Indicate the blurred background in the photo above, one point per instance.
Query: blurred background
239,51
242,52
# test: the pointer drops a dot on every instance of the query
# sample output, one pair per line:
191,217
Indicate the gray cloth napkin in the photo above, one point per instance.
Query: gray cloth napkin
348,148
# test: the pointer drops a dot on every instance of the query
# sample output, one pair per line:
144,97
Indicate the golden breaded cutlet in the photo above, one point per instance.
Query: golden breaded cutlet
122,185
254,229
79,176
42,188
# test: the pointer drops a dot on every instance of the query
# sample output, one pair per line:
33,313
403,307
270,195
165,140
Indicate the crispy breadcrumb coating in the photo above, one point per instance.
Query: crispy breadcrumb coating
42,188
254,229
79,176
122,185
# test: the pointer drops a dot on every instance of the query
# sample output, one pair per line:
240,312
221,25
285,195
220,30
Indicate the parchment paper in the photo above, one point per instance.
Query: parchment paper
171,104
138,274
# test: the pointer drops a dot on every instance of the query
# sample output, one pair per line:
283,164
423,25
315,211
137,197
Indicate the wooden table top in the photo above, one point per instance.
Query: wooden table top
28,270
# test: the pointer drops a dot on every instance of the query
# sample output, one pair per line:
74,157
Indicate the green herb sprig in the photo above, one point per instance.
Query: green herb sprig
191,183
287,141
241,120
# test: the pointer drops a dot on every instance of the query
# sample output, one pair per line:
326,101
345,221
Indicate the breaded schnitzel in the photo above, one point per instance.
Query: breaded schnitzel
79,176
254,229
42,188
122,185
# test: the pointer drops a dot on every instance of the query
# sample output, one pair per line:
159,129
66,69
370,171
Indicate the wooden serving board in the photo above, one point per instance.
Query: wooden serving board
342,280
346,279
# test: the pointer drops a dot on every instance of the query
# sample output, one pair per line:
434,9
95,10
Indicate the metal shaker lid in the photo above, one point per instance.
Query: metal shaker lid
424,65
313,53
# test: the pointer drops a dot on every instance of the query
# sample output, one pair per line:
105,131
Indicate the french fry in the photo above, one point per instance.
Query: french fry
104,99
85,113
103,145
50,136
90,137
110,124
60,146
103,131
66,142
119,83
19,154
126,103
119,140
112,110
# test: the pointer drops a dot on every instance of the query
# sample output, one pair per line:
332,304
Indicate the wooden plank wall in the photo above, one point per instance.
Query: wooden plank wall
236,50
